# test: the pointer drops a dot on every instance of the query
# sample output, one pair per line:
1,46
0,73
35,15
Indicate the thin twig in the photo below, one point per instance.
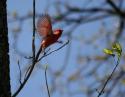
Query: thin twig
113,5
118,10
30,57
19,72
47,81
32,67
115,83
27,72
102,90
33,50
33,36
53,51
35,58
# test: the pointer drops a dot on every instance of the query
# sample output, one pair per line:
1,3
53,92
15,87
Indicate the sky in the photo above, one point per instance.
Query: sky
35,87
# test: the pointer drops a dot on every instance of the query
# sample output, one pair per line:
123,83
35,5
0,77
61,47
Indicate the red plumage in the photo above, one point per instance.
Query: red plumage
44,28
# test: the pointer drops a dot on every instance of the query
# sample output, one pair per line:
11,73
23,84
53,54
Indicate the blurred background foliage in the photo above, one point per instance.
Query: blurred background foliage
80,68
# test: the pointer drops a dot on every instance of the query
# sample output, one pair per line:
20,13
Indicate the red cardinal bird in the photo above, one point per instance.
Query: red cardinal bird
44,28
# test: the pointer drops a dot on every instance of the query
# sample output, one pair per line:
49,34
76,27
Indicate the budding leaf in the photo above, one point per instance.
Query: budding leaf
108,51
117,48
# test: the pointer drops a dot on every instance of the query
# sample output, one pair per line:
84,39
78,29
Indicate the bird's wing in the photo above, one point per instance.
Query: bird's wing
44,26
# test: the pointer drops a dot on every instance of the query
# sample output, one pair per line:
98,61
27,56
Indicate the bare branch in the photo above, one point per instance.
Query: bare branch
53,51
102,90
47,82
33,50
33,36
19,72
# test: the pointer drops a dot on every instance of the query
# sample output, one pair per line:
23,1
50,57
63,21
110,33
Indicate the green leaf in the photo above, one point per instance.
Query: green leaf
117,48
108,51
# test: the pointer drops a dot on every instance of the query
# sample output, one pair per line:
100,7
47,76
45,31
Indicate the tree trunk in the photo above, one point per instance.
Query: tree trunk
5,90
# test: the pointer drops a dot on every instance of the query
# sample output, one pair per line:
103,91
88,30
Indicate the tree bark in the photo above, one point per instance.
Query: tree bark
5,90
